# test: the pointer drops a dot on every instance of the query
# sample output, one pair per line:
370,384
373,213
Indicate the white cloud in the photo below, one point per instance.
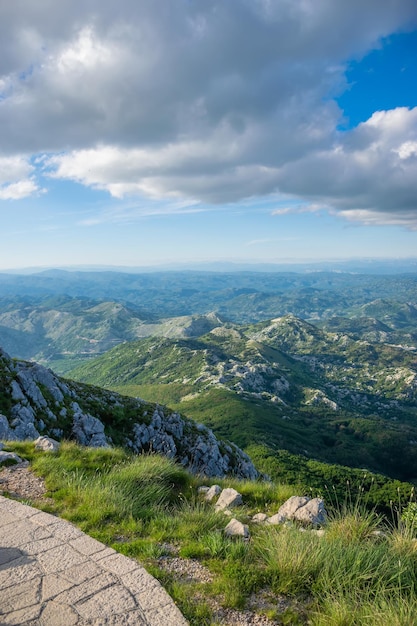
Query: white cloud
208,102
16,181
371,171
19,190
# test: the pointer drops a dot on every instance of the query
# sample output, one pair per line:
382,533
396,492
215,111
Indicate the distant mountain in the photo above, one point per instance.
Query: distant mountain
236,296
34,401
60,331
361,266
285,383
61,318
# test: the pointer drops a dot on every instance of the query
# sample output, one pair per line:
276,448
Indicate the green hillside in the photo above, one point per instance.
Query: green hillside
284,383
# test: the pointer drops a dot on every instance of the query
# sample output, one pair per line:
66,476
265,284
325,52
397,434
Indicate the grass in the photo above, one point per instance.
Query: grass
147,507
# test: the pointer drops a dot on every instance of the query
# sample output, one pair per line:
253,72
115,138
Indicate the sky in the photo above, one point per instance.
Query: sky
148,132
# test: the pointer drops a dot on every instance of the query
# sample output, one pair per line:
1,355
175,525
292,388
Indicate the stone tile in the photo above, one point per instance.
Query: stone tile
153,597
24,594
118,564
53,585
22,532
65,531
60,558
137,580
42,545
82,572
86,545
80,593
8,555
116,600
133,618
22,570
23,616
7,517
18,509
56,614
103,553
44,519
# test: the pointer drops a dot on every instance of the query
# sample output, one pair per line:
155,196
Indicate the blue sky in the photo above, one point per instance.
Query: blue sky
155,132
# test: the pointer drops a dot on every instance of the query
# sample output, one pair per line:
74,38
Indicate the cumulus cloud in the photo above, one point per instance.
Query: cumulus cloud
208,101
369,175
16,180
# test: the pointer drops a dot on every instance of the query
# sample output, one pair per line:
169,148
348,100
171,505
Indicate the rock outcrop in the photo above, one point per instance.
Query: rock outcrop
34,402
301,509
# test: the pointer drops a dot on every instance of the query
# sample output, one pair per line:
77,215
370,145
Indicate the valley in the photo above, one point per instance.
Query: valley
321,364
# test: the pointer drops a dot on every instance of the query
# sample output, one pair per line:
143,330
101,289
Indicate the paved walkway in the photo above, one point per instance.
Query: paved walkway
52,574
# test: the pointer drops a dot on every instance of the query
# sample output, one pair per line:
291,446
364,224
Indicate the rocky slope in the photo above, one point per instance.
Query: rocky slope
34,401
284,382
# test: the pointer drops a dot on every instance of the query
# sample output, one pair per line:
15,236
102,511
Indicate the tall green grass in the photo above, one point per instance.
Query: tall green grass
361,572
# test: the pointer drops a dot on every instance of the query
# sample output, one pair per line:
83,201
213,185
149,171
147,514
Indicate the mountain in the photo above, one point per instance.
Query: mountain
60,331
285,383
62,318
34,401
241,297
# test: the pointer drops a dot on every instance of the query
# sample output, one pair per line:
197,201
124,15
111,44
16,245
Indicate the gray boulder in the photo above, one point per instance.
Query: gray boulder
236,529
300,509
47,444
228,498
313,512
212,492
287,510
9,458
4,428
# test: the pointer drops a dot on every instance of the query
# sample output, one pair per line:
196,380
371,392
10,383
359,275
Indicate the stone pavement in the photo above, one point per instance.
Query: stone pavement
52,574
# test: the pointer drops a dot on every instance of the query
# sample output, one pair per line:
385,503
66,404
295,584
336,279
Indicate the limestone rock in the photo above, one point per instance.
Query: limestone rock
213,492
47,444
259,518
4,428
87,429
287,510
301,509
228,498
9,458
236,529
313,512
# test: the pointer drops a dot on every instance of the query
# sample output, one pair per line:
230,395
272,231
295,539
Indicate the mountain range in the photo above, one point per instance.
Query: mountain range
322,364
285,383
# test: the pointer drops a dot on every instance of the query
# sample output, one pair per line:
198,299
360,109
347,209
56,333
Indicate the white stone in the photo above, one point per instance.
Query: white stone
213,492
236,529
228,498
47,444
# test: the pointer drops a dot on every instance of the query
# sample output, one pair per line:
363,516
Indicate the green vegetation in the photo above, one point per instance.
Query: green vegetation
284,383
361,572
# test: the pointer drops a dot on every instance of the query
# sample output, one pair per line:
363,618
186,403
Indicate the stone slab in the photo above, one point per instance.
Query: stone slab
52,574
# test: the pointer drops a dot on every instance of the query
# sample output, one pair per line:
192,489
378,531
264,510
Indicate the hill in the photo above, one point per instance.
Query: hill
285,383
63,318
61,331
34,402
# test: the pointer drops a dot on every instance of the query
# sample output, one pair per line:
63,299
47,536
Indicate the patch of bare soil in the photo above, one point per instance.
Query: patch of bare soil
18,481
191,570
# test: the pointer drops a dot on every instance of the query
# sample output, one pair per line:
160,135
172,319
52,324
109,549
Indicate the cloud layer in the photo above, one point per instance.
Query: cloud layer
209,101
